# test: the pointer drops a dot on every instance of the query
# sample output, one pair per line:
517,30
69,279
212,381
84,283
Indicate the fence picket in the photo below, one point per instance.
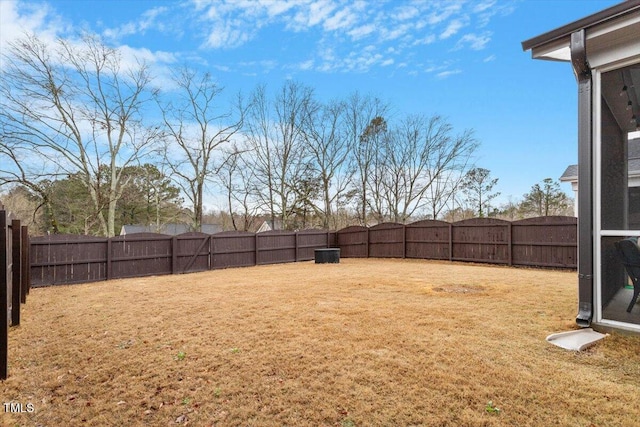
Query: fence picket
24,263
16,274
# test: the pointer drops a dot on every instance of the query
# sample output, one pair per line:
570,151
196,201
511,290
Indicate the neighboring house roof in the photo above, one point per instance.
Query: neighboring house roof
211,228
571,173
131,229
270,225
171,229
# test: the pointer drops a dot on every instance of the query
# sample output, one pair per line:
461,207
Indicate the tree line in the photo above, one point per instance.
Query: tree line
91,142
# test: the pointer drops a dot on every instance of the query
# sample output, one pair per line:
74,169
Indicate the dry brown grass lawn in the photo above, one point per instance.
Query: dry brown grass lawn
360,343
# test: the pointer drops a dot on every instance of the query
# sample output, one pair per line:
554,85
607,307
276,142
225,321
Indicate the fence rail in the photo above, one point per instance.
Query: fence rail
539,242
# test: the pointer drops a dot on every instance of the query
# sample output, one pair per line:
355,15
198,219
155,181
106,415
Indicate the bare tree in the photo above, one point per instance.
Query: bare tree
196,131
448,159
511,209
330,149
360,111
443,189
22,203
73,108
279,153
259,138
18,170
291,104
376,139
412,161
238,180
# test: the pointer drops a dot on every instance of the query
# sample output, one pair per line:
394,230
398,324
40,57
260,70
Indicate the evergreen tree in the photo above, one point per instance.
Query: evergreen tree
546,199
478,187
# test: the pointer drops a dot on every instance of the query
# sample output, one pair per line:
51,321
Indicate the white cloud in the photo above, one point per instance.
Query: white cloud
403,13
362,63
344,18
474,41
264,66
441,15
228,35
231,24
148,20
482,6
312,15
276,7
452,28
123,30
362,31
345,35
18,18
306,65
439,68
396,32
445,74
489,58
328,54
222,68
408,27
425,40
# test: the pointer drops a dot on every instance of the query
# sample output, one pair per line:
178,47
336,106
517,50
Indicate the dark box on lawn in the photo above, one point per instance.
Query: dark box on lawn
328,255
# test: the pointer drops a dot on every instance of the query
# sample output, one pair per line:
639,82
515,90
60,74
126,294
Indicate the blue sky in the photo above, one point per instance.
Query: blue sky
459,59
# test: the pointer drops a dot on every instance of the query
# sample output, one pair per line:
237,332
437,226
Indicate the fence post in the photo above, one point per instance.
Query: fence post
297,243
510,238
404,241
16,271
174,254
256,247
450,242
212,247
109,265
368,241
4,295
24,231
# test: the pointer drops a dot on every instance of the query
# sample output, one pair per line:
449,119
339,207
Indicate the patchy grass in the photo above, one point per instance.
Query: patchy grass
360,343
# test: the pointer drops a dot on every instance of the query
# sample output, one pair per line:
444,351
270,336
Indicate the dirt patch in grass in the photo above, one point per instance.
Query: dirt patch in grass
459,289
360,343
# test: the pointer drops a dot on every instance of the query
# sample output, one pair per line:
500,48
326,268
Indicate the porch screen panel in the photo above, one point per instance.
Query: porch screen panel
619,195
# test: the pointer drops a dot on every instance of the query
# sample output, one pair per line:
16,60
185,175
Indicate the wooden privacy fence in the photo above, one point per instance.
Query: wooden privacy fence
14,285
540,242
66,259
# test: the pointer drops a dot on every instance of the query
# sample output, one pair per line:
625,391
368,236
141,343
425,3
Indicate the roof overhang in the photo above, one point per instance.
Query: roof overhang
618,24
